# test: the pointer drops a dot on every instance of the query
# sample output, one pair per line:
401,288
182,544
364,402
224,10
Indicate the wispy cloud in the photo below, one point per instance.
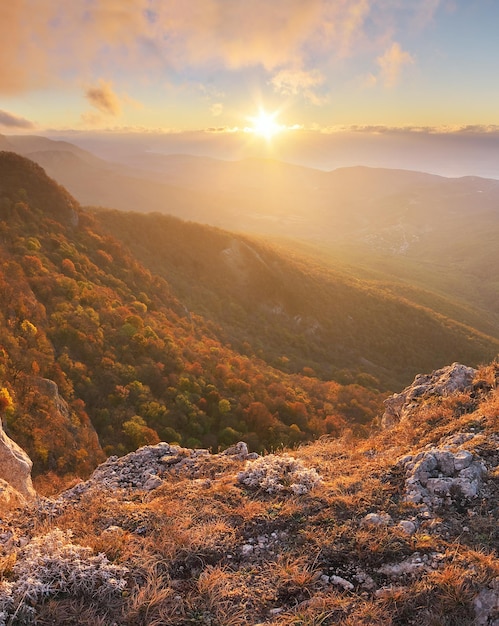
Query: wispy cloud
216,109
391,64
299,82
10,120
103,98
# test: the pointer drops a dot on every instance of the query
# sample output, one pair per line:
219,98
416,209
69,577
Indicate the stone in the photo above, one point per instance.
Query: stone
462,459
377,519
437,475
15,466
338,581
9,497
443,382
410,566
439,486
153,482
445,462
407,527
239,450
486,605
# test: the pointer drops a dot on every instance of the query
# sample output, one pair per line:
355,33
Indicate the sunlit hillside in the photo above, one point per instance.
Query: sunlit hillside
435,233
297,311
131,361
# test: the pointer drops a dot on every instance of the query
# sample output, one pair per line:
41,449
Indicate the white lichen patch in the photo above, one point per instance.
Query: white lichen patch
276,474
50,566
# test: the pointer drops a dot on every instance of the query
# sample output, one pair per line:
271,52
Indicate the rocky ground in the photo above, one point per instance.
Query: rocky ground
400,528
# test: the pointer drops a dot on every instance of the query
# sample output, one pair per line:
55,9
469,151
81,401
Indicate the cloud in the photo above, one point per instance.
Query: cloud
217,109
14,121
43,42
293,82
103,98
391,64
57,40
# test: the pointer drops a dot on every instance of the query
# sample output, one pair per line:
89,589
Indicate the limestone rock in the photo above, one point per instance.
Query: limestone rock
47,387
377,519
437,475
15,466
9,496
442,382
407,527
486,605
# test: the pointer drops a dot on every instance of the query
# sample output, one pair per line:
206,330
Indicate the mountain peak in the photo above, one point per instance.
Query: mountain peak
23,180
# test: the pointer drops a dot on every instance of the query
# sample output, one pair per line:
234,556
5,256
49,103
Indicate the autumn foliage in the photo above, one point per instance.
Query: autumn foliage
127,356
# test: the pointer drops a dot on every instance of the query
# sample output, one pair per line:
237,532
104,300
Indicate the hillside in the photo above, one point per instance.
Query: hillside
291,310
400,529
414,228
130,363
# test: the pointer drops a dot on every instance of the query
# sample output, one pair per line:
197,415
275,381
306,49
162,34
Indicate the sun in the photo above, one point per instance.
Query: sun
265,125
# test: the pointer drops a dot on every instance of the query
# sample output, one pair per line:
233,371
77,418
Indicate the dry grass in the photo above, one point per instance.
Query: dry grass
211,552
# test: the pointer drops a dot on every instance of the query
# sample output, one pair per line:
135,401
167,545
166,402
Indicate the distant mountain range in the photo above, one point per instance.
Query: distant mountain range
405,229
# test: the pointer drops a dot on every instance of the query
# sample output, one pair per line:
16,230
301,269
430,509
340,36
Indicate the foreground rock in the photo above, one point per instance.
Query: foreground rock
439,476
451,379
148,467
15,466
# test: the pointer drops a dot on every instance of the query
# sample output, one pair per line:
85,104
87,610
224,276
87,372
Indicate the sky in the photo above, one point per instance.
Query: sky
417,70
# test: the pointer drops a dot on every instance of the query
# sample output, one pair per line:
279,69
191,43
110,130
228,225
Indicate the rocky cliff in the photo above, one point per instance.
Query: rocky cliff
15,469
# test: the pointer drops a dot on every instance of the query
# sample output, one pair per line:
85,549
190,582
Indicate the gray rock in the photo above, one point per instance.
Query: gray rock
445,462
486,605
462,459
407,527
15,466
442,382
153,482
377,519
439,475
410,566
338,581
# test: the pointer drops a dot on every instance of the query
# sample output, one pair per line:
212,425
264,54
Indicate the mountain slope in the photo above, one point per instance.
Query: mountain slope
77,308
433,232
291,310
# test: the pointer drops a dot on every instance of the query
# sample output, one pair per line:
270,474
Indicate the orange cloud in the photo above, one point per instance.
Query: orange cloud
103,98
61,39
391,64
36,46
14,121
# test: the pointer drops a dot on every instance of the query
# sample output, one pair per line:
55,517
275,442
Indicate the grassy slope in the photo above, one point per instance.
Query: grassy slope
203,549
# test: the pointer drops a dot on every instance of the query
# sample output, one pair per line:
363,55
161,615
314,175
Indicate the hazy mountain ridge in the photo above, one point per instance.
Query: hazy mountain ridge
434,232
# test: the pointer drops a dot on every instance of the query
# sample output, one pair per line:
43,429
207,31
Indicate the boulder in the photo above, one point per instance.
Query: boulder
443,382
438,475
15,466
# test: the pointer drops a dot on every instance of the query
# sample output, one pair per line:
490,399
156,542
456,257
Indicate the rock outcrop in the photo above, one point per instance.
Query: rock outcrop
442,382
148,467
15,466
439,475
